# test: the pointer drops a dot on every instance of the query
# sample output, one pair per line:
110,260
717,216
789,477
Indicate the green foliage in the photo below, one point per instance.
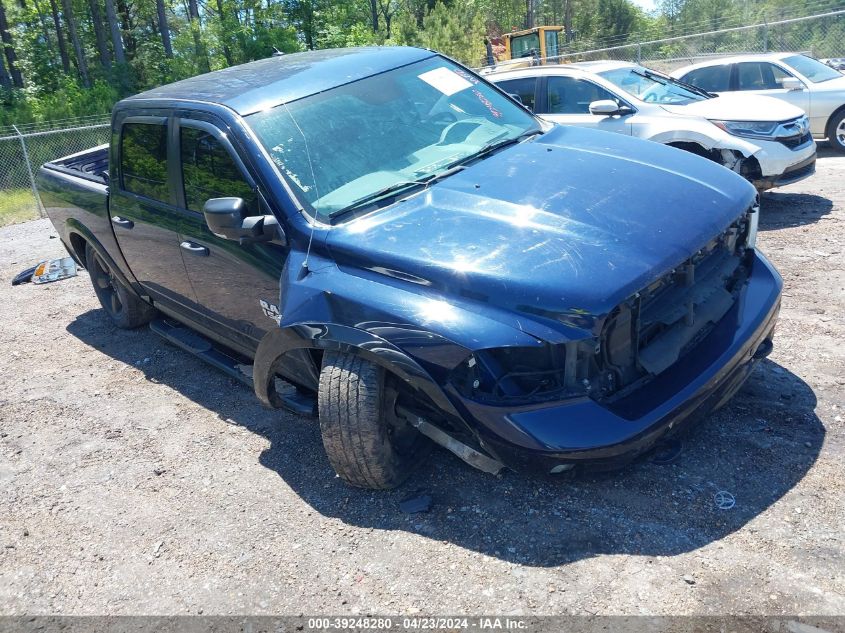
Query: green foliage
67,100
225,32
457,31
17,205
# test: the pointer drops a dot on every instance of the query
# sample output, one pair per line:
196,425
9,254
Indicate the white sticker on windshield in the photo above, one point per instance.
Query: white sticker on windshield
445,80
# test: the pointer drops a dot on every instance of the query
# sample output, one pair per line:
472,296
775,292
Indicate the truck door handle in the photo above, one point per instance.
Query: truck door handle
196,249
122,222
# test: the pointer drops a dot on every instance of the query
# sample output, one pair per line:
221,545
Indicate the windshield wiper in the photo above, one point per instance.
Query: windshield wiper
404,185
666,79
691,88
395,188
488,149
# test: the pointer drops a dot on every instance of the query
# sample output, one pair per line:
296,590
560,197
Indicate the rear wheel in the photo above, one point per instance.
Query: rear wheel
836,132
367,444
122,305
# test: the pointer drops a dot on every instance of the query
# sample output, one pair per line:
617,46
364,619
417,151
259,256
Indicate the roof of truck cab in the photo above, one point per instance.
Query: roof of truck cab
280,79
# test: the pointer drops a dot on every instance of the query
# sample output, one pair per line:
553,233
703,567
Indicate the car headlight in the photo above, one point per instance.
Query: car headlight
521,375
748,129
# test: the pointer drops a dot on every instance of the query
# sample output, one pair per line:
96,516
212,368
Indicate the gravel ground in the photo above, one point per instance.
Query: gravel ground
136,480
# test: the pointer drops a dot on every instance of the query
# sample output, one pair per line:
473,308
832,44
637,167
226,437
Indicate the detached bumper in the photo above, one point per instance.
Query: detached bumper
780,165
585,432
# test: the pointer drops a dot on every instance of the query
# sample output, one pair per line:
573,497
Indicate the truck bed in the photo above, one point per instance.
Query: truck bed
90,164
74,192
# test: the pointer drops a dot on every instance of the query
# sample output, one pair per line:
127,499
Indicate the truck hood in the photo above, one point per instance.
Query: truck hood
739,107
562,226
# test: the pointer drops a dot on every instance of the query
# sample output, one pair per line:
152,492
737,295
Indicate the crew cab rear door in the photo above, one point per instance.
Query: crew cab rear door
143,209
236,284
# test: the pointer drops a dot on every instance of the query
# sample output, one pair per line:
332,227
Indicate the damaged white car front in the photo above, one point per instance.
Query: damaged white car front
764,139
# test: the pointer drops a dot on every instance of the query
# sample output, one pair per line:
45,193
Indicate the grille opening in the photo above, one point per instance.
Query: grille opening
796,141
653,329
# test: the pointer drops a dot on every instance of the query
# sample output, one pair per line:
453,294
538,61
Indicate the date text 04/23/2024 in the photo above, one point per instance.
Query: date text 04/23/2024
417,623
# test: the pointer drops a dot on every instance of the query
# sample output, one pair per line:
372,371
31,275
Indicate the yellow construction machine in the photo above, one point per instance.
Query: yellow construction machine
540,45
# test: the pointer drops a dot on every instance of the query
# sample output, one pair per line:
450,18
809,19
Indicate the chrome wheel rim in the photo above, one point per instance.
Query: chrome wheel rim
840,133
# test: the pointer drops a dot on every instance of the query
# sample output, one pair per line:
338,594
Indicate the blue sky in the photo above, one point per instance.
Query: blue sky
648,5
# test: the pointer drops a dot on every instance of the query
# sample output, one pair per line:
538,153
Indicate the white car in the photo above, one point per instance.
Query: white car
765,140
805,82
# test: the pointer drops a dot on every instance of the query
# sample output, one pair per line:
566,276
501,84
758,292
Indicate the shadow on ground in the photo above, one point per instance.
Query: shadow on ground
757,448
779,210
824,150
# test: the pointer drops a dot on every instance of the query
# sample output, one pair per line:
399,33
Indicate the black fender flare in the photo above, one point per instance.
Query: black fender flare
323,336
74,227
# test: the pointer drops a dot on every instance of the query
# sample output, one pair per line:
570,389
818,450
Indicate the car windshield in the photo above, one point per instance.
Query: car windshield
370,140
812,69
646,85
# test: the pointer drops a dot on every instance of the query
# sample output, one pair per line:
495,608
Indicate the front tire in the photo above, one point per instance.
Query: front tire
123,306
836,132
366,443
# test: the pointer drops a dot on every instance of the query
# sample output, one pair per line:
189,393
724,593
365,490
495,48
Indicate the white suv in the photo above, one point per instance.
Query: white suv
765,140
805,82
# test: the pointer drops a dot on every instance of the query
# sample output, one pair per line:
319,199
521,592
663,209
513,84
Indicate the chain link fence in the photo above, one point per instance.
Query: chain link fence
820,36
24,148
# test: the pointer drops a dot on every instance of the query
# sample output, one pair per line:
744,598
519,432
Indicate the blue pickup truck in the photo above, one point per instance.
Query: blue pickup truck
383,238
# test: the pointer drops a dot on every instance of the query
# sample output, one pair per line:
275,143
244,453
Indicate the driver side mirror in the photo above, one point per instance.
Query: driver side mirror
791,83
226,218
608,107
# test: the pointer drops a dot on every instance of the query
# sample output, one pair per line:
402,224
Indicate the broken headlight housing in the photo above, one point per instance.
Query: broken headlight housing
752,219
525,375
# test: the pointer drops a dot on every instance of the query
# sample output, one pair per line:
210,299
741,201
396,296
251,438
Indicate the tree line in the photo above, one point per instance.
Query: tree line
66,58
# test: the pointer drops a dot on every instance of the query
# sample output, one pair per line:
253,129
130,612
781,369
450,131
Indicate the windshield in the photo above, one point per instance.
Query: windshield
646,85
525,45
812,69
360,142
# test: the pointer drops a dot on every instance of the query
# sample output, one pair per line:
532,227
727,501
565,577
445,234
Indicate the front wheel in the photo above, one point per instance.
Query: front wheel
123,306
836,132
367,444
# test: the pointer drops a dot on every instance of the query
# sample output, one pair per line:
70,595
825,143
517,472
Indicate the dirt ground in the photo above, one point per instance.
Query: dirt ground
136,480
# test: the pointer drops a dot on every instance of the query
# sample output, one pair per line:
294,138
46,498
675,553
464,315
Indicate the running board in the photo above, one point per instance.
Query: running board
196,344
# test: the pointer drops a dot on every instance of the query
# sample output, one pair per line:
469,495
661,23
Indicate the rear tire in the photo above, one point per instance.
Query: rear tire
123,306
367,445
836,132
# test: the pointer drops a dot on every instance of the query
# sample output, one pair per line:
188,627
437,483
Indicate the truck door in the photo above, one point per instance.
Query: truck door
143,212
236,285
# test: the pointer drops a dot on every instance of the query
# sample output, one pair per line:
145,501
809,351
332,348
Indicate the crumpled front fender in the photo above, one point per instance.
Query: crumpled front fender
718,140
331,336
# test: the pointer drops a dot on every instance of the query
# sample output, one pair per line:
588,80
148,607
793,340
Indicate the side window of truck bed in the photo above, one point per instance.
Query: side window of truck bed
143,160
209,171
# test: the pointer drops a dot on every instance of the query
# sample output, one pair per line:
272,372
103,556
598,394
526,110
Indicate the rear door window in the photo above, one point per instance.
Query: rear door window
760,76
524,88
209,171
143,160
711,78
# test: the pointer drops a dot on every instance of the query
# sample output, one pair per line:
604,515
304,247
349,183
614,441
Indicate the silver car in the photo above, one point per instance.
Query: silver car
814,87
